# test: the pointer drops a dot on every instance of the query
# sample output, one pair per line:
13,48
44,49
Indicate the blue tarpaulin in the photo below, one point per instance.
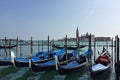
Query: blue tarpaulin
88,52
60,52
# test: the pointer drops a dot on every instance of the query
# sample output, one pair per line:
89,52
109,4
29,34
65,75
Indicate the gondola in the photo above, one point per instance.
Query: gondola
73,66
44,54
25,62
49,65
102,65
7,61
68,47
7,46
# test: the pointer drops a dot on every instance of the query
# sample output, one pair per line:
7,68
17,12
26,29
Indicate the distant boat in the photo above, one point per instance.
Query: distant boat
73,66
7,46
68,47
101,65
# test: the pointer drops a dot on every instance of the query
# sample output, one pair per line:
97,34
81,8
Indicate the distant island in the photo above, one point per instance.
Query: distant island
85,38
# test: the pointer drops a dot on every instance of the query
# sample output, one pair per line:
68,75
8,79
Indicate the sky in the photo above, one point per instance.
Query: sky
57,18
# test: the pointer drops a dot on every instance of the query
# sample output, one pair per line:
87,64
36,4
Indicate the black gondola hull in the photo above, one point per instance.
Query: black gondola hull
5,62
41,68
63,71
68,47
18,63
9,47
21,64
35,67
95,74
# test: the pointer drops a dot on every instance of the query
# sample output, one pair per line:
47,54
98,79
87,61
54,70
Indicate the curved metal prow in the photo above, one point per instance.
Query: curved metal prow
13,58
56,62
30,61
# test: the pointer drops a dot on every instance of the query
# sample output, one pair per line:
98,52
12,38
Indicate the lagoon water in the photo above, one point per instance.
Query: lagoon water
80,75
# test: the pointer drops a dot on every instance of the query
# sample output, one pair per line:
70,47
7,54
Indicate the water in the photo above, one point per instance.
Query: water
75,76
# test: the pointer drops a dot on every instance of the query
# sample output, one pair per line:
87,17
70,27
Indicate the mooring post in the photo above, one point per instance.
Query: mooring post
90,56
48,48
89,59
89,41
117,59
42,45
31,49
107,43
115,51
17,47
53,44
5,48
38,46
112,48
49,45
78,41
112,55
94,48
20,49
66,48
9,48
114,60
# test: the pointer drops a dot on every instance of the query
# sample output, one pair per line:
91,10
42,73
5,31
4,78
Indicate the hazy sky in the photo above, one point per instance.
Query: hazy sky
56,18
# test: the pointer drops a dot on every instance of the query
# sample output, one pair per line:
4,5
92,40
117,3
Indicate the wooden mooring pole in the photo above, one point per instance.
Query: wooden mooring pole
31,46
48,47
66,48
20,49
42,45
17,47
89,59
94,48
5,48
9,48
53,43
78,41
112,56
117,58
90,56
38,46
106,43
112,51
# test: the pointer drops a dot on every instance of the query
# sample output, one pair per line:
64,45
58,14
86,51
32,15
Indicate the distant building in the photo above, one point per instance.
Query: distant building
86,37
103,38
81,38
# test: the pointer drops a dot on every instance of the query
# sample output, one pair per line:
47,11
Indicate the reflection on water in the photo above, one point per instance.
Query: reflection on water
36,76
76,75
105,76
13,76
